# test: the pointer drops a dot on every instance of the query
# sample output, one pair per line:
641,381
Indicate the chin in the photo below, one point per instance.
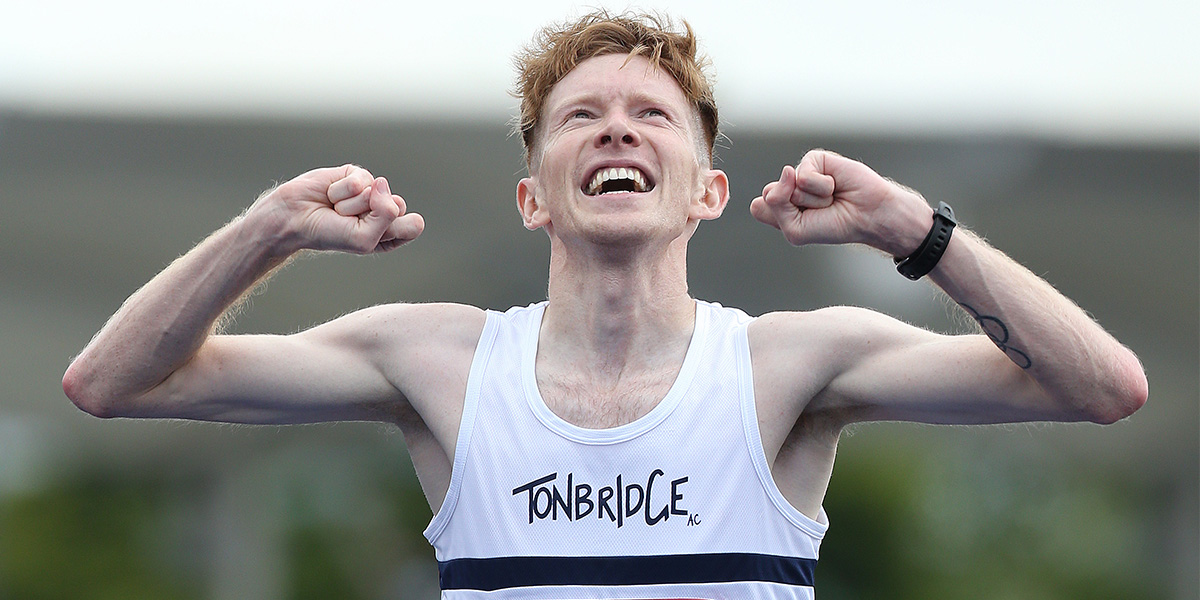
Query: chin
633,235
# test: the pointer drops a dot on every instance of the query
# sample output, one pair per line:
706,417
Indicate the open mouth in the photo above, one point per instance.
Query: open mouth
617,179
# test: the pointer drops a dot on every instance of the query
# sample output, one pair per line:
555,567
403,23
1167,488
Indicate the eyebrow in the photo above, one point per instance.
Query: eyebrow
593,98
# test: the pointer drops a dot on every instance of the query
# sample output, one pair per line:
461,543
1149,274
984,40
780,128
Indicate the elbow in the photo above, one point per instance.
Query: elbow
78,387
1126,404
1128,392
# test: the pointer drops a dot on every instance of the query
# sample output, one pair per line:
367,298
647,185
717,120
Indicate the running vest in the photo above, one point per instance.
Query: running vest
677,504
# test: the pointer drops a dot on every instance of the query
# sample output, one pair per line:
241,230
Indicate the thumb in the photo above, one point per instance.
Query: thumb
763,213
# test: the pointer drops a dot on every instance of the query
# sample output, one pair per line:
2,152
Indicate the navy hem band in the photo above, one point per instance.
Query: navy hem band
489,574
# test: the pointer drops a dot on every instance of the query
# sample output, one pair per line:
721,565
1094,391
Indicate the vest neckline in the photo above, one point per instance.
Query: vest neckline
621,433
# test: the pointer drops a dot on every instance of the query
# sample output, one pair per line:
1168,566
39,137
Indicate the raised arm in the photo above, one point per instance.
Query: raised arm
156,356
1040,357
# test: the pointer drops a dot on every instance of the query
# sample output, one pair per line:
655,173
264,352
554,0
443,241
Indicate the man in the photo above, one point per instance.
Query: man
622,439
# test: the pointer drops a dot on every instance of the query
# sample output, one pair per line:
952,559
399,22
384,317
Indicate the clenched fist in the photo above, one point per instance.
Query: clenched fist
830,199
337,208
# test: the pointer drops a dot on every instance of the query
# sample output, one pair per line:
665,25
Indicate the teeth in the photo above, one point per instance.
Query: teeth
602,175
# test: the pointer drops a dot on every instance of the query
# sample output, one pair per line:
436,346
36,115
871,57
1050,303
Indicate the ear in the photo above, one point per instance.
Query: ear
533,214
715,196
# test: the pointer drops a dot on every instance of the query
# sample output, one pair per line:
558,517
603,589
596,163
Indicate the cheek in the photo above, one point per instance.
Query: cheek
689,177
550,161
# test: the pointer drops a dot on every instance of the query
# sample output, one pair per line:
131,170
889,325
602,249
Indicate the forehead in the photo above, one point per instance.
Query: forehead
615,76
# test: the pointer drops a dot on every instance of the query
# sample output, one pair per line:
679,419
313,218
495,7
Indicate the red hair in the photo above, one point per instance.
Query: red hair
557,49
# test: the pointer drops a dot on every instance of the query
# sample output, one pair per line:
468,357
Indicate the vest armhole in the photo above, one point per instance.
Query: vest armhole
483,352
745,369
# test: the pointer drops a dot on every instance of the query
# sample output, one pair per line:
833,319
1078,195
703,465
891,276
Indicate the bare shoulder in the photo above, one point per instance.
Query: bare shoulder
832,332
442,321
796,355
424,351
407,327
421,348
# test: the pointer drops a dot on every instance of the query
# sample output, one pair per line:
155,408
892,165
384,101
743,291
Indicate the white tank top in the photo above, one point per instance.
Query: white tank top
677,504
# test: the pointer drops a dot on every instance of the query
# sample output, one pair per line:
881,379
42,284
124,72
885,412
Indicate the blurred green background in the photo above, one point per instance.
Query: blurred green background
122,509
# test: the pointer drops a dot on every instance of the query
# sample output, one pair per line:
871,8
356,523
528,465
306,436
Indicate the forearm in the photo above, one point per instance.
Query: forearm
1078,364
162,326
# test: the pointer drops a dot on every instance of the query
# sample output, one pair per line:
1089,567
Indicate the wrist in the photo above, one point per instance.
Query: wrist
922,260
270,230
278,223
906,229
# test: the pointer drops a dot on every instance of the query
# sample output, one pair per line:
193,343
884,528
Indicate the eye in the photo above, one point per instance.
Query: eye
580,114
653,112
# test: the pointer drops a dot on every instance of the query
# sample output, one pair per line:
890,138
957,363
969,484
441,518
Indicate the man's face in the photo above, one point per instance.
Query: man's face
616,158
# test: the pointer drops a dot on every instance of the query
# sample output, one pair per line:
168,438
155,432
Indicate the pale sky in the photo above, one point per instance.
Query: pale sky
1089,70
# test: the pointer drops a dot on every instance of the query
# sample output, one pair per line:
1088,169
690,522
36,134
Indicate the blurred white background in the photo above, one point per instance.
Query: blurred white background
1091,70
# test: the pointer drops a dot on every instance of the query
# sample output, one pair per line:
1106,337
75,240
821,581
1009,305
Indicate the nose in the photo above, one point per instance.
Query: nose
617,130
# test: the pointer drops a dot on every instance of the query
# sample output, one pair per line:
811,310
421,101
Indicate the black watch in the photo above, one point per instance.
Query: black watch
926,257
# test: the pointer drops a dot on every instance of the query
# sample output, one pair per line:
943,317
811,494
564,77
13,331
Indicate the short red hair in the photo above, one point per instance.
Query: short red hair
559,48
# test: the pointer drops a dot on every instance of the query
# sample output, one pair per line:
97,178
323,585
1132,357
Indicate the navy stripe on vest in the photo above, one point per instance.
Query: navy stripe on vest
488,574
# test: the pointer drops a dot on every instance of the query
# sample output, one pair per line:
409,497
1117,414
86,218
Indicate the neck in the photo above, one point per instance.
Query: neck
616,310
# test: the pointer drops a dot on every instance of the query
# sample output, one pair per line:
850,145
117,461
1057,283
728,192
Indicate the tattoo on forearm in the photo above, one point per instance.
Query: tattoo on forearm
998,332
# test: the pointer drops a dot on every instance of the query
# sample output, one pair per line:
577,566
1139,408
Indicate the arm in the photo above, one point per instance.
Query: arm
1040,357
156,357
